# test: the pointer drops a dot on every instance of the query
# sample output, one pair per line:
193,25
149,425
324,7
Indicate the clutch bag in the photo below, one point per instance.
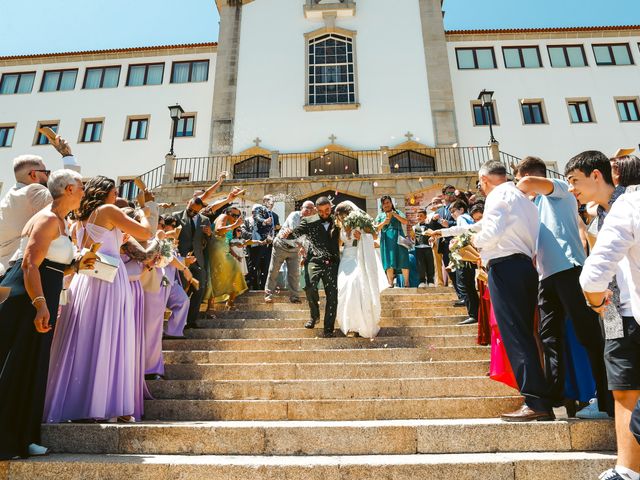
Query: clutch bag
105,268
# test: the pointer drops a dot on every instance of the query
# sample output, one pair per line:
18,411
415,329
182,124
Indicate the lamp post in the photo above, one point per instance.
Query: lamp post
486,97
175,112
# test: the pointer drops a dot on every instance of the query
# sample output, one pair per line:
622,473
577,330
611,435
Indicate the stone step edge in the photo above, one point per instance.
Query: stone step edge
323,380
281,364
306,437
335,400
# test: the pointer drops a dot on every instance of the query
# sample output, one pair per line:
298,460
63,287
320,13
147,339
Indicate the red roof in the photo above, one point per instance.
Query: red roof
111,50
543,30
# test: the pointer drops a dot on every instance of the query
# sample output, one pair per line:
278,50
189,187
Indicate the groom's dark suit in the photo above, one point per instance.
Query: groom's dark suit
322,261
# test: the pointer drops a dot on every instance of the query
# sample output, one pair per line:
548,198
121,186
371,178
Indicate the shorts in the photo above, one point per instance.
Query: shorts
622,358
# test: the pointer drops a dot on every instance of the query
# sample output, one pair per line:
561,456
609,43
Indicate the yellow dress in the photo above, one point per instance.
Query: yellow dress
225,274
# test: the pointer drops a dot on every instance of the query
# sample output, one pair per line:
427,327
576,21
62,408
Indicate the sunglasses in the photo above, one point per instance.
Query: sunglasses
452,192
46,172
234,215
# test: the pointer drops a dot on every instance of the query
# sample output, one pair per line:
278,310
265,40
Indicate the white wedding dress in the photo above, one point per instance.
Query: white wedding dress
361,279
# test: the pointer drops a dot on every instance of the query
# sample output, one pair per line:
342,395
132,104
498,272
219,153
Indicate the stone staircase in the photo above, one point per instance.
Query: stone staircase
251,394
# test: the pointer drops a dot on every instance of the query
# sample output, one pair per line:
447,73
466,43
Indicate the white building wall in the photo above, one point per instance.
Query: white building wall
391,71
113,156
559,139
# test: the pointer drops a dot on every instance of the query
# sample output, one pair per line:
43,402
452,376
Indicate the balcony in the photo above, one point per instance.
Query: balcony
316,9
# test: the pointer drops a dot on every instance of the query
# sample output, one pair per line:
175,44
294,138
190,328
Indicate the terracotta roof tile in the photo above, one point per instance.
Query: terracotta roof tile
543,30
110,50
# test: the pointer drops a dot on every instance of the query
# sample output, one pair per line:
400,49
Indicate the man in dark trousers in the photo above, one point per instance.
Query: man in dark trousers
265,227
323,259
507,241
194,237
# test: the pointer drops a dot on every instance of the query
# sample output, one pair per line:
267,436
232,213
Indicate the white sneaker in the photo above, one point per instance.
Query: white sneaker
612,474
591,412
432,285
36,450
422,285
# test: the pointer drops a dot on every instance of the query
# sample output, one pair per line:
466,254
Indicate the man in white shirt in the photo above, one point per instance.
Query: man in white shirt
285,250
26,198
507,243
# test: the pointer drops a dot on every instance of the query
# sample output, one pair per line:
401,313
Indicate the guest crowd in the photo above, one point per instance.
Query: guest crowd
549,269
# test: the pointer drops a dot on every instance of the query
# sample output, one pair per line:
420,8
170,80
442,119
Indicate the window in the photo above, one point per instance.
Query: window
521,57
184,72
145,74
253,167
331,72
103,77
580,111
127,189
58,80
614,54
40,138
532,113
333,163
91,131
137,128
481,115
628,110
184,127
17,83
411,161
6,135
567,56
476,58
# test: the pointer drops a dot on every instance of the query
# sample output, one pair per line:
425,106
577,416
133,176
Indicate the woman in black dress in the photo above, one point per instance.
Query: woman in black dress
28,316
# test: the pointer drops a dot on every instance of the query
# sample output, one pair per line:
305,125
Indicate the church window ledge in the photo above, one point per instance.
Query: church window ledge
333,106
316,9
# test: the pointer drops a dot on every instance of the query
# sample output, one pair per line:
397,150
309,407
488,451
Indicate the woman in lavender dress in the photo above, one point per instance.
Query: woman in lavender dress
92,367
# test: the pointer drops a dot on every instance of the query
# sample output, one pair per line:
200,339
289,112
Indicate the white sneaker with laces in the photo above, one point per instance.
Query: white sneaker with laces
422,285
612,474
591,412
432,285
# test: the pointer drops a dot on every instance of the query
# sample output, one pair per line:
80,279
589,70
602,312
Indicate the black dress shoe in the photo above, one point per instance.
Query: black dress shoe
153,376
459,303
468,321
311,323
328,334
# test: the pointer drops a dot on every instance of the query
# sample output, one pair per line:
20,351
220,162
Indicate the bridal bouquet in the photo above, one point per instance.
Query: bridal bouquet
165,255
462,250
359,220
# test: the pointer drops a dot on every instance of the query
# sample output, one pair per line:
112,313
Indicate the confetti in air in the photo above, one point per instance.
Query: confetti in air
420,180
346,167
396,166
412,200
375,184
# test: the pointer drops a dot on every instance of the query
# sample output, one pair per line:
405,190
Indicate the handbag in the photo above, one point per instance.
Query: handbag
105,267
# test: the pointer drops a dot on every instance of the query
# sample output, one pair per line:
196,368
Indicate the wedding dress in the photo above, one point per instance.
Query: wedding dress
361,279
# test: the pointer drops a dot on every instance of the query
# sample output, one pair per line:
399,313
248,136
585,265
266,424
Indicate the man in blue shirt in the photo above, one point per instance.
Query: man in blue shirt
560,256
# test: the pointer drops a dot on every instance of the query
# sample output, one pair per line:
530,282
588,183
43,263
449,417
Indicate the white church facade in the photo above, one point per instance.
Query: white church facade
304,97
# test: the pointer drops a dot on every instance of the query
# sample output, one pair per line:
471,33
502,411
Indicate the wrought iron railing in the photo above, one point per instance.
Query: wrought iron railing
419,161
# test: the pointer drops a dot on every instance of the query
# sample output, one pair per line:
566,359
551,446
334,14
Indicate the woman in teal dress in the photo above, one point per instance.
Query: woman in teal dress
389,224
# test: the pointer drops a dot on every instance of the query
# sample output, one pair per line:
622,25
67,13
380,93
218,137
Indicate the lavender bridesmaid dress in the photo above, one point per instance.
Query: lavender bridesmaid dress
92,373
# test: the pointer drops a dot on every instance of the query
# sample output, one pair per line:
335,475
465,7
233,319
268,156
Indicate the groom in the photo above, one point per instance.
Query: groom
321,263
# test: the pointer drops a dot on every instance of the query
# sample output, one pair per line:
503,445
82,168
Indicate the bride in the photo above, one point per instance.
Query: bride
361,279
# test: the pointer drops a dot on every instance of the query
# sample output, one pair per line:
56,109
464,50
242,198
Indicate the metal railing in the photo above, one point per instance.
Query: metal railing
425,161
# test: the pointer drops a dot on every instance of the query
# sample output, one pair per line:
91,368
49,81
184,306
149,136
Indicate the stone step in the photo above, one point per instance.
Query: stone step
458,338
317,343
323,390
358,355
327,371
383,437
486,466
403,302
389,292
451,321
342,409
303,313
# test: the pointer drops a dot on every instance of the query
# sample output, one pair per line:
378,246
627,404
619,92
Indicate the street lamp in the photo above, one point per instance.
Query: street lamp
486,97
175,112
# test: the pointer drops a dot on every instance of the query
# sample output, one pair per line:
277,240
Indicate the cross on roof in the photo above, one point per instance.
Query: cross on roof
333,138
409,136
257,141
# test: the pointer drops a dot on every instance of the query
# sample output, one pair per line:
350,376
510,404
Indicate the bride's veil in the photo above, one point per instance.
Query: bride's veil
351,205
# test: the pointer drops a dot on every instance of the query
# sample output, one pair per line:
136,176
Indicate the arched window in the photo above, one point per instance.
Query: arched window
411,161
333,163
253,167
331,70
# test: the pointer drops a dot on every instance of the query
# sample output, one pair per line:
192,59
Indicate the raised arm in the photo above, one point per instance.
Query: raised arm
213,188
536,186
141,231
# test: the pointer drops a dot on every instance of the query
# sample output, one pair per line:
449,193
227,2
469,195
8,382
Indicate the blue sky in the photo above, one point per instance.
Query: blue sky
40,26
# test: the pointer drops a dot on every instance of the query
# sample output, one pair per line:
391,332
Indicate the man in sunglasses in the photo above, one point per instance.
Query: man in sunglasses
26,198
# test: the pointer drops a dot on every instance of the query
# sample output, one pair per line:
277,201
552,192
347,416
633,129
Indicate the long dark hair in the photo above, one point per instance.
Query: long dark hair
382,200
628,170
95,194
